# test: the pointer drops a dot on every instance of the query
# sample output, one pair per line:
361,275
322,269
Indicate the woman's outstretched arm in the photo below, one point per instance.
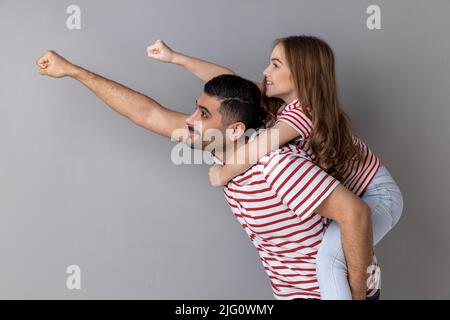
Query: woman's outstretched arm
202,69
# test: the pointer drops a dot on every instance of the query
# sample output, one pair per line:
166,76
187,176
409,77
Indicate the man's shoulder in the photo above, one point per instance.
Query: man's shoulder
287,155
287,151
260,169
274,161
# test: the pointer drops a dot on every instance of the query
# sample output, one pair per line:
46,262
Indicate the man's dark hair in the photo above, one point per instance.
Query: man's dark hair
240,100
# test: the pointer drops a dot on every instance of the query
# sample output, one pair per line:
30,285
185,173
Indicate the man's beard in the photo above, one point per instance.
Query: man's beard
210,145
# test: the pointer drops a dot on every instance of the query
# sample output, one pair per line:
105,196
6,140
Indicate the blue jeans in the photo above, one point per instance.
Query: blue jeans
385,200
376,296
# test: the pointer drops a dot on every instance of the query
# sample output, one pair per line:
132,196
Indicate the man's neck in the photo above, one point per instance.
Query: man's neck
222,154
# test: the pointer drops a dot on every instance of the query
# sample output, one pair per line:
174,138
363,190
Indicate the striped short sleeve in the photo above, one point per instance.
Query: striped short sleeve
294,116
298,183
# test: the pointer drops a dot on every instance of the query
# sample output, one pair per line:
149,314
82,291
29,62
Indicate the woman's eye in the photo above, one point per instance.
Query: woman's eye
203,114
275,65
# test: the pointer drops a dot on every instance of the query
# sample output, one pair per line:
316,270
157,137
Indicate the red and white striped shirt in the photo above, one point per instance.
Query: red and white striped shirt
358,174
274,201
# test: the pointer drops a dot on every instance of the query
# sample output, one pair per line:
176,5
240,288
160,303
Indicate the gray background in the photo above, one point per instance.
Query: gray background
79,184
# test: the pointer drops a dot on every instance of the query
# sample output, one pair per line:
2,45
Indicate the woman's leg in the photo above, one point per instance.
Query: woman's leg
386,203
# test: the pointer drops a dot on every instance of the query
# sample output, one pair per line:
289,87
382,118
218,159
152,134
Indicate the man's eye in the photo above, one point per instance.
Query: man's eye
203,114
275,65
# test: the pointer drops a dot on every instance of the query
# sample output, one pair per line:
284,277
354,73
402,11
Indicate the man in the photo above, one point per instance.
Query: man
277,201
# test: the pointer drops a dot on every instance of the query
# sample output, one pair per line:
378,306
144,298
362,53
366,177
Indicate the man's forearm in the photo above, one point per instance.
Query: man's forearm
121,99
357,244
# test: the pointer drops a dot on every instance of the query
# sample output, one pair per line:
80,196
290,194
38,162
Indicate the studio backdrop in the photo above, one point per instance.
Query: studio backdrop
83,189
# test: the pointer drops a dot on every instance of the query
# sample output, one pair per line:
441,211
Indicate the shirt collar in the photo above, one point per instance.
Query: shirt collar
286,104
292,102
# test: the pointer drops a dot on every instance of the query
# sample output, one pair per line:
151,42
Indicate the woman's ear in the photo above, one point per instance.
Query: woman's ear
236,130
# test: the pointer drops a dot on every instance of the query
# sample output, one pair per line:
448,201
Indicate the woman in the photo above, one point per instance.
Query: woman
300,94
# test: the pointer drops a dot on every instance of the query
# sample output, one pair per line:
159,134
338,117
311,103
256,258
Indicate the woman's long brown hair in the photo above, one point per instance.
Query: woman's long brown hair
311,62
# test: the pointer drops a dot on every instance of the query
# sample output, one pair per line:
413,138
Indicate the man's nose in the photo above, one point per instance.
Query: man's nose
192,118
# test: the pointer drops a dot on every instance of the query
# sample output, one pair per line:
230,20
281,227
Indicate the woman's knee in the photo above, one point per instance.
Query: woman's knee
397,209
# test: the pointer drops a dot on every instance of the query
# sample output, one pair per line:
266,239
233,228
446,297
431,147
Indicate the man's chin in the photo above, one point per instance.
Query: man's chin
193,144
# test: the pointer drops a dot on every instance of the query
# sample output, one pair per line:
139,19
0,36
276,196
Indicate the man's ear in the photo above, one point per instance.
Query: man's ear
236,130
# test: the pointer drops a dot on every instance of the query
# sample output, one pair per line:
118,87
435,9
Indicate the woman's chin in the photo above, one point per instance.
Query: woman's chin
273,95
269,94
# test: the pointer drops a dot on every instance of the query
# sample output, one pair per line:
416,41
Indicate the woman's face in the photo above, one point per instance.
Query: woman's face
278,78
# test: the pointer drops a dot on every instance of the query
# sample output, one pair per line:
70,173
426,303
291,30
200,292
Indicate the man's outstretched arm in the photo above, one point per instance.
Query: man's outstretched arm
140,109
